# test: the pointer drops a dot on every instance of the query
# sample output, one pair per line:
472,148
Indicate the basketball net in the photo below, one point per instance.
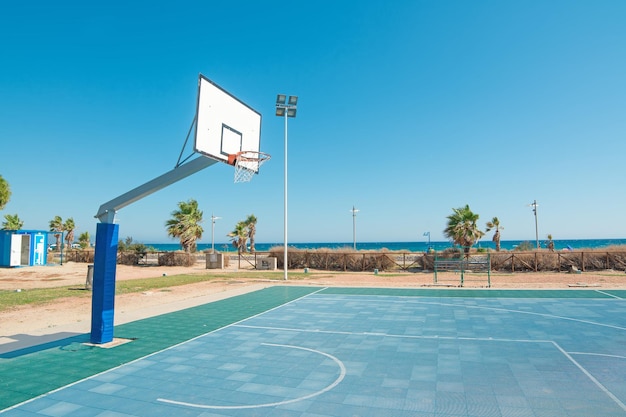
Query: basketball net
247,164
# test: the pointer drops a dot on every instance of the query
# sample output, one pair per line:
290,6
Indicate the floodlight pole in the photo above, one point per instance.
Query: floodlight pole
286,108
285,217
354,212
213,218
534,205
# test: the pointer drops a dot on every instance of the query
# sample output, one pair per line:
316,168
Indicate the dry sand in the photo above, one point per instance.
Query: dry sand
29,325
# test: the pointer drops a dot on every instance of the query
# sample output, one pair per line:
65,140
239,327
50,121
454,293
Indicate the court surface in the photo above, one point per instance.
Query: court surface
314,352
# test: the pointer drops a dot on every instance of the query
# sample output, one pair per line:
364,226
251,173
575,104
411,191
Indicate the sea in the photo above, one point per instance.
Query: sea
422,246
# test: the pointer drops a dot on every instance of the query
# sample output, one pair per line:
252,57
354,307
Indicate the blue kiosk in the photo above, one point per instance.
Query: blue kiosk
23,248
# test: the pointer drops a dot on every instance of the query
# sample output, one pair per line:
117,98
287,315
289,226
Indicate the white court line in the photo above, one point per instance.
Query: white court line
475,339
150,355
397,336
508,310
592,378
340,378
598,354
609,294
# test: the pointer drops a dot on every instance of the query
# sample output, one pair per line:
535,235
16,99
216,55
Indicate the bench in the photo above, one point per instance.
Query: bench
473,263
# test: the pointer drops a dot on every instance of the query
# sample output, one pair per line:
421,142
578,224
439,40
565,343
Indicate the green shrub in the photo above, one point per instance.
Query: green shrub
524,246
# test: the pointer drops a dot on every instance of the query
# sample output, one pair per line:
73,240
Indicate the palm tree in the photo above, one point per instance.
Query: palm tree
550,243
56,225
5,192
495,224
12,222
185,225
69,226
462,227
251,224
239,236
84,240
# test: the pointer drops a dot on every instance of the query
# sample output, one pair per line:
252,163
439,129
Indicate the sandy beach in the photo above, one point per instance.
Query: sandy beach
30,325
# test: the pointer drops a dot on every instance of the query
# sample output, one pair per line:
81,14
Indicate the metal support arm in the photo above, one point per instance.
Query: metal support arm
107,211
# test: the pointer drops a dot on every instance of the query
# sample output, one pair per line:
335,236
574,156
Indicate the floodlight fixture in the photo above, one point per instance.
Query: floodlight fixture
286,107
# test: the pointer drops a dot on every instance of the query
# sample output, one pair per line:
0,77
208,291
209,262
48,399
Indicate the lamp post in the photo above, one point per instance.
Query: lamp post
534,205
213,218
286,107
354,212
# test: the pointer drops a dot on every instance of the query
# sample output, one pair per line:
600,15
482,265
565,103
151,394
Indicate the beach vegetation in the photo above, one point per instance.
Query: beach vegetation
128,245
243,233
5,192
462,227
84,240
56,226
12,222
525,246
495,224
185,225
251,225
239,236
130,252
69,226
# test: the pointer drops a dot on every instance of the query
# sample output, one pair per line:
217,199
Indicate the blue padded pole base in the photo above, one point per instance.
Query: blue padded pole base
103,290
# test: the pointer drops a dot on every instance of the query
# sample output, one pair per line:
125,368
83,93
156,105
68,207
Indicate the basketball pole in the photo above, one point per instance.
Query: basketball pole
105,257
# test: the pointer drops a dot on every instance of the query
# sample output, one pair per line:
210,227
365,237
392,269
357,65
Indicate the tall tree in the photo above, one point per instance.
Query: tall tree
550,243
495,224
12,222
84,240
56,225
239,236
69,226
185,225
462,227
5,192
251,225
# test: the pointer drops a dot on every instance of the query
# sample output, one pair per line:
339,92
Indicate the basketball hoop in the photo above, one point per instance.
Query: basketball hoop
247,163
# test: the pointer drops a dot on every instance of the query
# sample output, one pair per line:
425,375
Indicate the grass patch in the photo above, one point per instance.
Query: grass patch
10,299
38,296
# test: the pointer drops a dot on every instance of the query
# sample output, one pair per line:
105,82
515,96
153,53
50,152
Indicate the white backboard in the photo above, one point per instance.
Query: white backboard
224,124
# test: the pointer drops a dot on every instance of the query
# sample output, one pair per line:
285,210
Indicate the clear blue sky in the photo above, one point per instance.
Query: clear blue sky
407,109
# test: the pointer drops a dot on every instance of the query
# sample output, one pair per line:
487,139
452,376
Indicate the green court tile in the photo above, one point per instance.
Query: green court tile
473,293
68,361
616,293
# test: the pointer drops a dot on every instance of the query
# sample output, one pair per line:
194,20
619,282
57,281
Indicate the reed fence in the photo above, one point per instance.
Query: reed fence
345,260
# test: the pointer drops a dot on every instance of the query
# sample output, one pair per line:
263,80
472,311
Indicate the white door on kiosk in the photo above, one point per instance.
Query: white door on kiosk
16,250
